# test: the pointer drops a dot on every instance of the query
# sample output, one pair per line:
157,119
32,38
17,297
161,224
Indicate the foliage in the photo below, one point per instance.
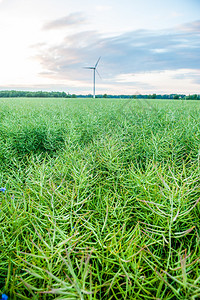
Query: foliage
43,94
40,94
100,199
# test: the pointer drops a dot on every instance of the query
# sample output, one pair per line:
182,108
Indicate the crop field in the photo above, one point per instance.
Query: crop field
100,199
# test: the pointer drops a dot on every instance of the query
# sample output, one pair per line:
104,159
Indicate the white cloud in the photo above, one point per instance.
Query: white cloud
160,50
190,27
168,81
73,19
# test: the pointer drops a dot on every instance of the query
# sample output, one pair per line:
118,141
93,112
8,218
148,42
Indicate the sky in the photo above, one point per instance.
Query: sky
145,46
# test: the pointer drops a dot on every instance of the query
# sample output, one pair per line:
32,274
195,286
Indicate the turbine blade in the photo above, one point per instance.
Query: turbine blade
98,74
97,62
91,68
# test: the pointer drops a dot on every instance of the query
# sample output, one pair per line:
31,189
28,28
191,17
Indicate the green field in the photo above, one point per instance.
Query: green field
102,199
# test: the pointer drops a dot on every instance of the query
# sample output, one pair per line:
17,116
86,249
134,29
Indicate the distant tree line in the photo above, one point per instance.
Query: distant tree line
150,96
38,94
42,94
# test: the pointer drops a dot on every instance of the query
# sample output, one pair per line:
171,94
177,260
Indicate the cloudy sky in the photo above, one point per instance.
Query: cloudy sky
145,46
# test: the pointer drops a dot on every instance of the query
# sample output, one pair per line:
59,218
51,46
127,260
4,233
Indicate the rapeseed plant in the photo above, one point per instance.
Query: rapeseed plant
102,199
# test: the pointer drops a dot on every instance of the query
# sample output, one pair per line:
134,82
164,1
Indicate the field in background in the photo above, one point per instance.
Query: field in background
102,199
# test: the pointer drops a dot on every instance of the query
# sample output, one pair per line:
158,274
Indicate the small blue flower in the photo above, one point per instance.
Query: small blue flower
4,297
2,189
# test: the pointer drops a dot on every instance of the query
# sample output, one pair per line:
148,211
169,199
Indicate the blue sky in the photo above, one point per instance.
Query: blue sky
145,46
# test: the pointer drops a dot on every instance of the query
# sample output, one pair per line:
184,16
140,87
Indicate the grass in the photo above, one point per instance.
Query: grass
102,199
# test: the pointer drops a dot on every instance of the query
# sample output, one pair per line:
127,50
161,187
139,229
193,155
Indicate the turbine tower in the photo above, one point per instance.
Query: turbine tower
94,71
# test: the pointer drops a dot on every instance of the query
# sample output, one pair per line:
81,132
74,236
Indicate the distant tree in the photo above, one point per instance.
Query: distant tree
105,96
63,95
176,96
154,96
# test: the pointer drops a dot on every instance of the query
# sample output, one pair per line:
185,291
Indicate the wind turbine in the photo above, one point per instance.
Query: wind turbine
95,70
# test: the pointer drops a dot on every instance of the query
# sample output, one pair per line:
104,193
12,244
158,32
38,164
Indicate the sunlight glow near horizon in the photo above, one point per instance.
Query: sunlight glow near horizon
46,44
